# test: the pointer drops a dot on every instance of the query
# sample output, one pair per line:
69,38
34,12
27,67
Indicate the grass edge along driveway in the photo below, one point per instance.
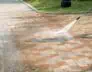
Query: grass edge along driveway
54,6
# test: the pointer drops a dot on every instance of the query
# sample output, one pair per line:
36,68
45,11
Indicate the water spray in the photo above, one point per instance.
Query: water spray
61,33
70,25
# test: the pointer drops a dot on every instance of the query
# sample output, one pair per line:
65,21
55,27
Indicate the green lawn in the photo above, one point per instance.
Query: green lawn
54,6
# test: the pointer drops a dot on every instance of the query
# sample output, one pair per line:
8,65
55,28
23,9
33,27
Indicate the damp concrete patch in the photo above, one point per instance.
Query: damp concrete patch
57,39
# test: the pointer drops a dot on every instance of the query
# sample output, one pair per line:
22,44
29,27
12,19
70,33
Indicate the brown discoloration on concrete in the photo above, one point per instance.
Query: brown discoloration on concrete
79,49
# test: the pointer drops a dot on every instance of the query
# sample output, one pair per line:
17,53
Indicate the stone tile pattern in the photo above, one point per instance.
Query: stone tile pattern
71,56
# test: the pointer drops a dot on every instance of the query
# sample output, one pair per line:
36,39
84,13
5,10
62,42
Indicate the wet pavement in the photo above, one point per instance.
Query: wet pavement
54,55
18,52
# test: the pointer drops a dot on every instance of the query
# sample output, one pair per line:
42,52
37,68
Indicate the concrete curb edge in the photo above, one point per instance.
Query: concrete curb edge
30,6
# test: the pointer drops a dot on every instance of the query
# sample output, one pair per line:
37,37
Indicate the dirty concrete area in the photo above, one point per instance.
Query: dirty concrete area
74,55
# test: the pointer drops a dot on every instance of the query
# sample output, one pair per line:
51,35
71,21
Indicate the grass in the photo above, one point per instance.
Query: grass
54,6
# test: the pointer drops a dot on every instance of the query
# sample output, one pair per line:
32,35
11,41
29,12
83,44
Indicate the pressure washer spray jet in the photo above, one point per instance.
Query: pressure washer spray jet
63,34
65,30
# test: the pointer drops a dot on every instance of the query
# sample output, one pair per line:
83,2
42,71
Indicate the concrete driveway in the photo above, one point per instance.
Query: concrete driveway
18,53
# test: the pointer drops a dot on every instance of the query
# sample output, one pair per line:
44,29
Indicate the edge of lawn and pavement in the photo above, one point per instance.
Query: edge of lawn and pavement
78,7
29,5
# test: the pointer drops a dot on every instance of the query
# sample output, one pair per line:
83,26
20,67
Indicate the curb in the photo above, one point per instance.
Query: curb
30,6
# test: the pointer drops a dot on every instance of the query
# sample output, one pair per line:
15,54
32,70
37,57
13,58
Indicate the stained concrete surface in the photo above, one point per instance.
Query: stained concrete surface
53,55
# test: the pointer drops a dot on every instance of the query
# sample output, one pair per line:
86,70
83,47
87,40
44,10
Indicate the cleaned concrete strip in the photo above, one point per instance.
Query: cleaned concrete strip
9,54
